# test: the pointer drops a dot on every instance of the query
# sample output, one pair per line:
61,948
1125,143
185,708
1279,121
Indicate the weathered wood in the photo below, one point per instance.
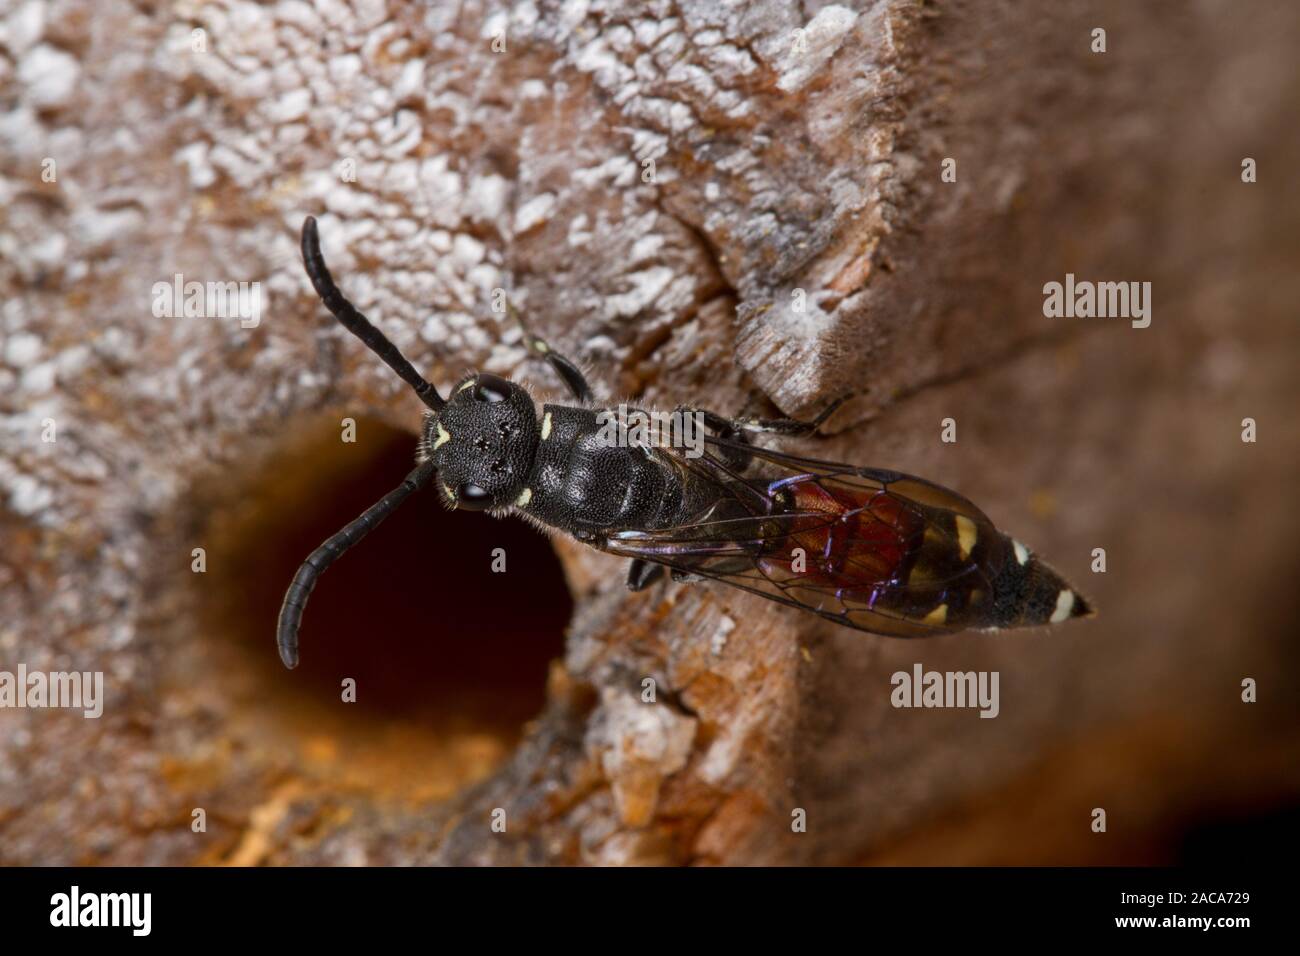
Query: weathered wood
792,149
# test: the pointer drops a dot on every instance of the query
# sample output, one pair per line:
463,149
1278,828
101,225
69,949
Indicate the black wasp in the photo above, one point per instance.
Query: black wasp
870,549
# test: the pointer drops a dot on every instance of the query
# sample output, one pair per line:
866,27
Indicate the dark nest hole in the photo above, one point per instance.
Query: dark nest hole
414,614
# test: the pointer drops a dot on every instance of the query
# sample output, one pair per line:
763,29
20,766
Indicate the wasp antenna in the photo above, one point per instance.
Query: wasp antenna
358,324
318,562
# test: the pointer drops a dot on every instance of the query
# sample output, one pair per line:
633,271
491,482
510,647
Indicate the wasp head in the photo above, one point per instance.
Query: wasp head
482,442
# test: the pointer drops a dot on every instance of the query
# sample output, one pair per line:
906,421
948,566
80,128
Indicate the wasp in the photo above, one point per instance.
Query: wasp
870,549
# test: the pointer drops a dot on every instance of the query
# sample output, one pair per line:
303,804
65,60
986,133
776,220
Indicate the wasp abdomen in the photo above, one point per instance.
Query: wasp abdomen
1028,592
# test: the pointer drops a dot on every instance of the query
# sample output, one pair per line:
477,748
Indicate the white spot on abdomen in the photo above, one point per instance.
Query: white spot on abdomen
1064,605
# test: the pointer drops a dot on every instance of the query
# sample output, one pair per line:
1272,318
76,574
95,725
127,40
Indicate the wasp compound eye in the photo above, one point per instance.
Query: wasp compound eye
491,388
472,498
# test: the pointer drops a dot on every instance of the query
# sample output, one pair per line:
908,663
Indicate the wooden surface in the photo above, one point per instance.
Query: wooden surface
781,162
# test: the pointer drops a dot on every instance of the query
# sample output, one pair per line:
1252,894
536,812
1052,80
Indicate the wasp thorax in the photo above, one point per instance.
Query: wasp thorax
482,442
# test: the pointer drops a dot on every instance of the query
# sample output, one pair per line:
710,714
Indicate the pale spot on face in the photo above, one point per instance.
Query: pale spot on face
469,384
444,436
1064,605
966,535
1022,553
546,426
938,616
525,496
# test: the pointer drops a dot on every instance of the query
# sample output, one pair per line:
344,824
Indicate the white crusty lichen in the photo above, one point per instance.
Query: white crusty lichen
615,169
638,745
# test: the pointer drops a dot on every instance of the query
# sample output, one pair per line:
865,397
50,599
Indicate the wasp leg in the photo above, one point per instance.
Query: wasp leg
735,458
641,574
564,368
787,426
295,599
737,430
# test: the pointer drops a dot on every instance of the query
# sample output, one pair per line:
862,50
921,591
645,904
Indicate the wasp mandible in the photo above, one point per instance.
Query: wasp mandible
870,549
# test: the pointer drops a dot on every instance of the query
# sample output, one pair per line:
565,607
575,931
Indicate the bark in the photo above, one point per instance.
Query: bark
796,153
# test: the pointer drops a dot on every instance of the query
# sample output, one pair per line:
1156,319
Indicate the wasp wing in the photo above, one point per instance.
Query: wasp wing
871,549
